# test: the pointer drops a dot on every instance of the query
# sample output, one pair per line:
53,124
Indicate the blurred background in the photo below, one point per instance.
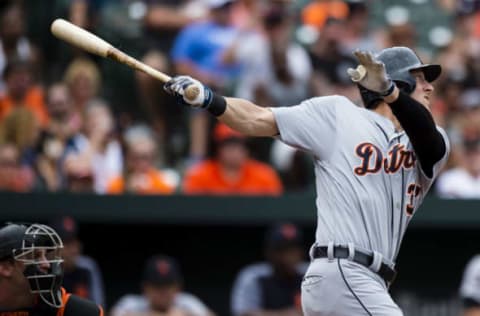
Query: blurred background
167,212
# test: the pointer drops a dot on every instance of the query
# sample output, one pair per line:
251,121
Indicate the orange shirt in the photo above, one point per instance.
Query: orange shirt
255,178
153,182
33,100
317,13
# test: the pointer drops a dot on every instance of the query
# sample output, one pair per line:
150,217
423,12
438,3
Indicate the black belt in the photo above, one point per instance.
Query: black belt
387,273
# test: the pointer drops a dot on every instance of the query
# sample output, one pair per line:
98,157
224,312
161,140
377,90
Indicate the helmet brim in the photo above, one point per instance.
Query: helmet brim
430,71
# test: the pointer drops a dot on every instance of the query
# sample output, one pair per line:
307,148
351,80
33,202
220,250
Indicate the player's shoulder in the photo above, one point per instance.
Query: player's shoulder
331,103
77,306
333,99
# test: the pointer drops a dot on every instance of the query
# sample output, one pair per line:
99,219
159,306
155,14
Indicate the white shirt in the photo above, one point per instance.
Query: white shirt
458,183
106,165
139,304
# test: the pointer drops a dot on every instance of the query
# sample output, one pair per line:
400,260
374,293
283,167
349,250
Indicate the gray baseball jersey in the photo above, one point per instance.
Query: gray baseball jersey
368,181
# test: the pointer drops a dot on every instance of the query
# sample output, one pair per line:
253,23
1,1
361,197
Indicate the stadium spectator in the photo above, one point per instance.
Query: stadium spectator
275,69
231,171
470,288
14,176
140,175
20,128
167,121
97,146
285,78
57,138
13,42
198,51
330,63
82,275
161,293
83,79
164,19
317,13
357,34
78,173
272,287
464,180
22,92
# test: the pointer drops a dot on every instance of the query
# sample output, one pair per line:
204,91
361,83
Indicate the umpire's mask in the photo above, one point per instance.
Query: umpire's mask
40,252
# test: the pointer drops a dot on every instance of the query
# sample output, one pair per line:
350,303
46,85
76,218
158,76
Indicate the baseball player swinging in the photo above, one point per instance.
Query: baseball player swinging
373,168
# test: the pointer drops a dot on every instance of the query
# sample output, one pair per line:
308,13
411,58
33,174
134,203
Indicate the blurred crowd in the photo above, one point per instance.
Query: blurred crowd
74,122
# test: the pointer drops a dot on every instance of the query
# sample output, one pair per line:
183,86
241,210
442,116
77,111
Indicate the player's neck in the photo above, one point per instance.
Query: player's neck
384,110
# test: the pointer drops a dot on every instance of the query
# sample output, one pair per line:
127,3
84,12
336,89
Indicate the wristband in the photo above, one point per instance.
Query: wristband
389,90
214,103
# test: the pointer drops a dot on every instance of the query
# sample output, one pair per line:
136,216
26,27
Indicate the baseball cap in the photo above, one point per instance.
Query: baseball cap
66,227
223,133
215,4
282,236
162,270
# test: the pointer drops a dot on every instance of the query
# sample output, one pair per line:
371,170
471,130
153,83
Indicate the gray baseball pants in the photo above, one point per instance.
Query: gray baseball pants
339,287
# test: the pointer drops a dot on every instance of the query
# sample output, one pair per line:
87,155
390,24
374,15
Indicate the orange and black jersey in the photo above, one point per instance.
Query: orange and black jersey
72,306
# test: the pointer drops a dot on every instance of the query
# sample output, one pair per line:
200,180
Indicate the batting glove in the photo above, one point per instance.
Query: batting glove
371,74
177,86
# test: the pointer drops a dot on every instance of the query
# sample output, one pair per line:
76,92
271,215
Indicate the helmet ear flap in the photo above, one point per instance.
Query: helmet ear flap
405,87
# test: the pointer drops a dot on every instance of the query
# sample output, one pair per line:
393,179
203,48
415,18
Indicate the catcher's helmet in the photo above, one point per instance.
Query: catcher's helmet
36,246
399,62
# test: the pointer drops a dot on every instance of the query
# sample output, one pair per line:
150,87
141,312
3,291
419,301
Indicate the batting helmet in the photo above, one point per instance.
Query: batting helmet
399,63
36,246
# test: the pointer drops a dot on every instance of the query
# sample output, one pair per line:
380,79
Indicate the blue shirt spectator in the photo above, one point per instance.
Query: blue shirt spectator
202,45
198,50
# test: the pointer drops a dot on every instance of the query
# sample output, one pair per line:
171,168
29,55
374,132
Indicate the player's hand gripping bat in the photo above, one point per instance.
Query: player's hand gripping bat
91,43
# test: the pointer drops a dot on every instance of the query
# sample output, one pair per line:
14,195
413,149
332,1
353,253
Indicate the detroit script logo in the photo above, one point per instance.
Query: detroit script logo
373,160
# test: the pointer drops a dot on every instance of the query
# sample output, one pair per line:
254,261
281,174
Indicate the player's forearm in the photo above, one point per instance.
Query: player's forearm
420,127
248,118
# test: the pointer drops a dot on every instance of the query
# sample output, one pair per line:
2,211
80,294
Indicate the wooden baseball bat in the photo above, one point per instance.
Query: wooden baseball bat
91,43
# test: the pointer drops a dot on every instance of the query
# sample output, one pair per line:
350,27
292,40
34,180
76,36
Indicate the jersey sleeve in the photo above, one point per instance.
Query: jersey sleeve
310,126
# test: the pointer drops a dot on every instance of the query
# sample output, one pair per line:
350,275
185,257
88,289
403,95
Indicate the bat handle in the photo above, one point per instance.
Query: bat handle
192,92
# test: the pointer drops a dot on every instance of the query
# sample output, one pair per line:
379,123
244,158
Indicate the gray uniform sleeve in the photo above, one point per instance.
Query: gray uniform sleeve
310,126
